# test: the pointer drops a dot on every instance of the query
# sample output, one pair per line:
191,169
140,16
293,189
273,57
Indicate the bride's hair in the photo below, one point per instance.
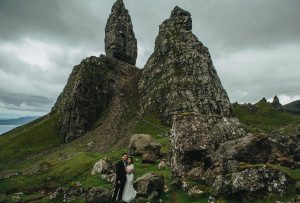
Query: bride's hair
130,157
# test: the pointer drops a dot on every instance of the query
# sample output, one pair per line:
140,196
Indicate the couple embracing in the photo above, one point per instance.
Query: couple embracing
124,190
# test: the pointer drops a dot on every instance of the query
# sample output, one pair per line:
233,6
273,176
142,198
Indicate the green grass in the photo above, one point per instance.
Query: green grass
262,117
30,139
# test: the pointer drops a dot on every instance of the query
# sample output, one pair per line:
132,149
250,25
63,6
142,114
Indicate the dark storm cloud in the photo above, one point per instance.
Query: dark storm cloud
254,44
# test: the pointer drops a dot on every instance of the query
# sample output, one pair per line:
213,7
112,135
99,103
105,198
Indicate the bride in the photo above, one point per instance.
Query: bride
129,193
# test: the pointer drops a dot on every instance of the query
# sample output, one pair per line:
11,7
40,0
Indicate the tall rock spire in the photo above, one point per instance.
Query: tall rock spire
180,76
120,41
181,86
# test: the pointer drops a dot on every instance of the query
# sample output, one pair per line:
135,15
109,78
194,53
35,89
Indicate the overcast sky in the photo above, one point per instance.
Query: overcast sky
255,45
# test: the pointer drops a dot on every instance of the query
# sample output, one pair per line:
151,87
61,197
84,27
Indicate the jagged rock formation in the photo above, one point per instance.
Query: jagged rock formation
88,92
179,76
276,103
99,93
120,41
94,84
181,85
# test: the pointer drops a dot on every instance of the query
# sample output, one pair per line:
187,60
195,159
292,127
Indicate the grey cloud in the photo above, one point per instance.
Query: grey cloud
76,30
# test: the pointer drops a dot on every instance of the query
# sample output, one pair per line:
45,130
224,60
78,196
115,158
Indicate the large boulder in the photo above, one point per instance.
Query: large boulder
120,41
143,143
149,158
195,138
149,185
97,194
104,165
251,183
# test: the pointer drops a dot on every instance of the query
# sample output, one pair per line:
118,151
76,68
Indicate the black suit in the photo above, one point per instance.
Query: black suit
121,176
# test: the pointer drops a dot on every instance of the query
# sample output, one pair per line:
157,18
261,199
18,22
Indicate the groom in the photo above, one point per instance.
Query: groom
121,177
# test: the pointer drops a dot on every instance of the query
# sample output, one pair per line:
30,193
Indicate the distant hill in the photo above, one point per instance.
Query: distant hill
263,116
18,121
293,107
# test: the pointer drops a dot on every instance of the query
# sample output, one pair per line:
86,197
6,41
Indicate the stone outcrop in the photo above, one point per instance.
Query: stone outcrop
149,185
251,183
179,76
120,41
104,166
142,144
87,94
276,103
180,84
92,84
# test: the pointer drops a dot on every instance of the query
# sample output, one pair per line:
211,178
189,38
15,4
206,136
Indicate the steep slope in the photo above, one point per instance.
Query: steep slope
179,76
87,93
181,86
94,85
293,107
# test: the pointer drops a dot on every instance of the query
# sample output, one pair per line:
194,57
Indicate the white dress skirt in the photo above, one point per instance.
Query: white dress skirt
129,193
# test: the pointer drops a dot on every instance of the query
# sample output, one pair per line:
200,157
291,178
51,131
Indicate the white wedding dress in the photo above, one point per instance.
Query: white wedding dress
129,193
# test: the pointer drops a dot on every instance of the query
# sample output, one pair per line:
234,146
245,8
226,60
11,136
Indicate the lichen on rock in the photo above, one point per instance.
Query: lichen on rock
120,41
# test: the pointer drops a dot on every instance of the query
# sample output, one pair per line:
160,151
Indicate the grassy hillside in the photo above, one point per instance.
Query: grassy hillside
293,107
43,163
262,117
30,139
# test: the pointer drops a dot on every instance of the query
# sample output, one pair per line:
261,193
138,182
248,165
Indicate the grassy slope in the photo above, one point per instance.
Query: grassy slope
263,118
29,139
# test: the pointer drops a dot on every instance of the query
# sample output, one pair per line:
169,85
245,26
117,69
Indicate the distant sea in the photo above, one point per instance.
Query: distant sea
5,128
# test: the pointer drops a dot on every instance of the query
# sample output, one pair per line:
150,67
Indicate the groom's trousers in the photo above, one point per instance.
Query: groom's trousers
119,189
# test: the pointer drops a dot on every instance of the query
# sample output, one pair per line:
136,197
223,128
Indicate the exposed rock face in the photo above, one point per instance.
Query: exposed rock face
180,84
251,183
88,92
276,103
179,76
120,41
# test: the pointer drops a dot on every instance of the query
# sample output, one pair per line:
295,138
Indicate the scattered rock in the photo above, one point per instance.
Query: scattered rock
161,165
149,185
97,194
148,158
104,166
120,41
143,143
141,200
59,193
195,191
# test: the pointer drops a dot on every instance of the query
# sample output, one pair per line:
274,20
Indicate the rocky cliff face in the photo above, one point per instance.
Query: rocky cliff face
181,85
180,76
88,92
120,41
97,82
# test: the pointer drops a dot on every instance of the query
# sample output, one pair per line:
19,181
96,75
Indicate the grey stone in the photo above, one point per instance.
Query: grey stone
143,143
149,185
120,41
104,166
